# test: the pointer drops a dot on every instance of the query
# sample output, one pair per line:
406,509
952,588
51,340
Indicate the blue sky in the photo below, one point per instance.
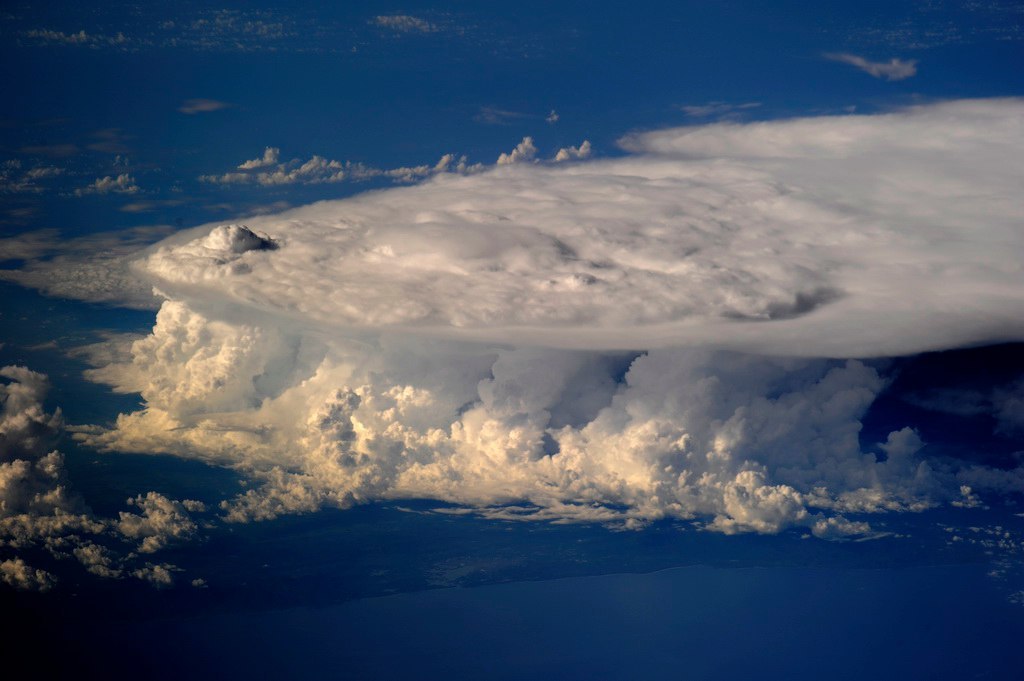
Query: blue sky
307,304
469,79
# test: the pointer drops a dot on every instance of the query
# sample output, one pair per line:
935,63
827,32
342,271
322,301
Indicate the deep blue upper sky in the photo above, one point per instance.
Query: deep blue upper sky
469,78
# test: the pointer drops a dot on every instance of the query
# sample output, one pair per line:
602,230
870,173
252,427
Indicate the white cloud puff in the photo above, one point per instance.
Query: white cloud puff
574,153
524,152
270,171
161,522
122,184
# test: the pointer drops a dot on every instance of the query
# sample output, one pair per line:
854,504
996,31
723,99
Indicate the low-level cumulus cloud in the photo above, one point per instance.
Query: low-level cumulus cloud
39,511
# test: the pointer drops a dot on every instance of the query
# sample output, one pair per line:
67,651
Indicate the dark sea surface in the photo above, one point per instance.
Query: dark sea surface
931,622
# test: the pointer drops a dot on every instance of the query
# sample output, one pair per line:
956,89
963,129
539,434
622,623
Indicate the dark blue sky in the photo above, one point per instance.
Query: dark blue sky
470,78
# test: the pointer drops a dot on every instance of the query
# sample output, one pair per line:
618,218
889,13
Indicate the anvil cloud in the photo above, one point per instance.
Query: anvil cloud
830,236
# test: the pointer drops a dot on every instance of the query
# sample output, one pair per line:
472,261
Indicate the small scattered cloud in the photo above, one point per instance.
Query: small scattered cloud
574,153
161,521
894,69
194,106
524,152
231,31
42,172
15,180
17,573
552,117
404,23
40,512
122,184
716,109
269,170
45,36
271,156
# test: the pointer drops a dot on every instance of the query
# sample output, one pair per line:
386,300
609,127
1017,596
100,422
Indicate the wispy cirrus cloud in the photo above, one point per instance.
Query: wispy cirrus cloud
195,106
894,69
491,115
716,109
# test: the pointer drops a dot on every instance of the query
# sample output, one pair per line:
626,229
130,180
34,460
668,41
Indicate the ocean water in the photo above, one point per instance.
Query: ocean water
939,622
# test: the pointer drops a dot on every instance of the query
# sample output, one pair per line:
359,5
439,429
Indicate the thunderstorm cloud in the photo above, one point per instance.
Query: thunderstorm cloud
671,333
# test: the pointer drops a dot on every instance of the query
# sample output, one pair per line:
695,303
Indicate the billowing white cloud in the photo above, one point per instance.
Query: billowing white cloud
574,153
271,157
894,69
744,443
161,522
270,171
524,152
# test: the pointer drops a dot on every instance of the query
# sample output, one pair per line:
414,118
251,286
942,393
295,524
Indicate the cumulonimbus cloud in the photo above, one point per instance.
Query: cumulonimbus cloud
559,341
